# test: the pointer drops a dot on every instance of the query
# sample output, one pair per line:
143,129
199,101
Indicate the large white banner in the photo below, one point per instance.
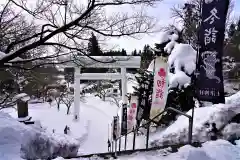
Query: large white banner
132,113
160,87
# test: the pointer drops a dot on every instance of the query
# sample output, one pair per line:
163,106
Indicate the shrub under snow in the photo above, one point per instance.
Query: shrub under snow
33,142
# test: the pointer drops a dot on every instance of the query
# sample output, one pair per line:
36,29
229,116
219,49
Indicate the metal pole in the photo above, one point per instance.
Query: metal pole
115,148
112,146
147,138
134,138
125,144
77,93
119,147
190,130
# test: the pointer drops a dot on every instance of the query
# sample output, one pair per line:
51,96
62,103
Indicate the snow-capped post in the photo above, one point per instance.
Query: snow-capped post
22,106
77,93
211,37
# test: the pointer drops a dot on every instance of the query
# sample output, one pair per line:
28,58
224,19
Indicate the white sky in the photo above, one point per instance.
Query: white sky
163,14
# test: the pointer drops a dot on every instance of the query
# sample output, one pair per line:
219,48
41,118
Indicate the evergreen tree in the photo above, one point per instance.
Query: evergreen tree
146,57
232,48
144,92
134,53
93,46
191,19
124,52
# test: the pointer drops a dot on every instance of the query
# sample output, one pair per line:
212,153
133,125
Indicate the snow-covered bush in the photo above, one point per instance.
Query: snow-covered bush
182,64
16,136
42,145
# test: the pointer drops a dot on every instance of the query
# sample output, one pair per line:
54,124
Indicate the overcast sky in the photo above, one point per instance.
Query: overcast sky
163,13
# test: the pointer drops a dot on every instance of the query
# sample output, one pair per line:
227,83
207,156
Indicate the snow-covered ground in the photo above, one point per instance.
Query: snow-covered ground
92,130
211,150
220,114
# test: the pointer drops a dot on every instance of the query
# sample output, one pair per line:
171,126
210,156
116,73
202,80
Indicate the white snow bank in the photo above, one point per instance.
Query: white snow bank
212,150
14,133
234,99
178,132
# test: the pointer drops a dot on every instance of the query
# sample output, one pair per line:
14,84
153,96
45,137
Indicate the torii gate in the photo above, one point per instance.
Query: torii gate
122,62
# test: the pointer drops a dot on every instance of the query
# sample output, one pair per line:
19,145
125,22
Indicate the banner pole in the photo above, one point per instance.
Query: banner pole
134,138
125,144
119,147
147,137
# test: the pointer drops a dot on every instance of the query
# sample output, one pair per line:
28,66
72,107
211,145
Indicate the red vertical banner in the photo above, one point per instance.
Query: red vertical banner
160,87
132,112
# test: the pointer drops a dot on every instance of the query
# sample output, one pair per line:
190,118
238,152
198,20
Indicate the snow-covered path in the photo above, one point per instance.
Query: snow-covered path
96,140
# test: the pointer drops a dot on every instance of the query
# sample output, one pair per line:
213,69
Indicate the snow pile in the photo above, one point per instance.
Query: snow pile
14,134
178,132
234,99
42,145
212,150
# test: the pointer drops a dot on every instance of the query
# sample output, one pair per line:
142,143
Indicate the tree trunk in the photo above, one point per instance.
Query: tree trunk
58,106
68,109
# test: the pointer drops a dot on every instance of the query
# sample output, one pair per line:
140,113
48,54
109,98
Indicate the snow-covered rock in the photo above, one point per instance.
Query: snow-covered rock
16,136
220,114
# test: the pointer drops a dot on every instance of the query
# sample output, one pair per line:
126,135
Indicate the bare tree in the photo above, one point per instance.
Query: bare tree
68,24
68,99
189,15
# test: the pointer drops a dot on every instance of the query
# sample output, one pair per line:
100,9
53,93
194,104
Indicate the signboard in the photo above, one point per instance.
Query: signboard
124,120
132,112
160,88
211,37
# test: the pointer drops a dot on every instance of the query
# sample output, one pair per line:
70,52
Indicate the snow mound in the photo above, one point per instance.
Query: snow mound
40,145
14,134
178,132
234,99
211,150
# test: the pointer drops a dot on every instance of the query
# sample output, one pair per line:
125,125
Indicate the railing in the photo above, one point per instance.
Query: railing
147,124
